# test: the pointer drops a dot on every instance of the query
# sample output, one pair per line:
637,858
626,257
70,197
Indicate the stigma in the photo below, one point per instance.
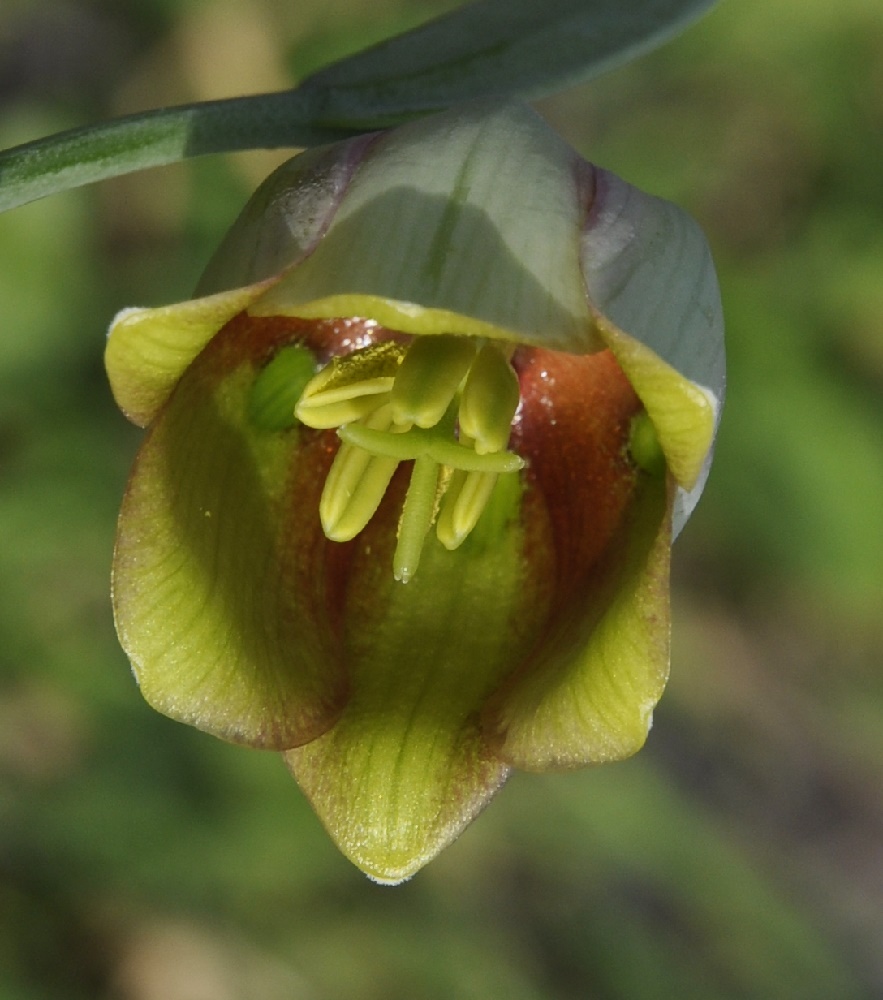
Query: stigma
443,402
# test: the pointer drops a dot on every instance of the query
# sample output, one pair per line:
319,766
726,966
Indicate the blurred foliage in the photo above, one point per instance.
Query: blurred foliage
740,855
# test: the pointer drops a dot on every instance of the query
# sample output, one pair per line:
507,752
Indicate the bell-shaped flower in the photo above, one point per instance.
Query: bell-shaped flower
415,457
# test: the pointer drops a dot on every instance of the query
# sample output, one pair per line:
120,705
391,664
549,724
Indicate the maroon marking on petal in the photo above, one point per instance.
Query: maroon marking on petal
317,569
307,576
258,338
322,568
573,430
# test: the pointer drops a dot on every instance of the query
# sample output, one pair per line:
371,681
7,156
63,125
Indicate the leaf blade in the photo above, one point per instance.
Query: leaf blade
493,48
155,138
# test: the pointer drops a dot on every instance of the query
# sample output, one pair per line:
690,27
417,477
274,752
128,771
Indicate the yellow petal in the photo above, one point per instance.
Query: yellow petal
218,572
682,412
407,768
589,696
148,350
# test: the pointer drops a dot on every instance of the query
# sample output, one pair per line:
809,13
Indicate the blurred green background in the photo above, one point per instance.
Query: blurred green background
740,855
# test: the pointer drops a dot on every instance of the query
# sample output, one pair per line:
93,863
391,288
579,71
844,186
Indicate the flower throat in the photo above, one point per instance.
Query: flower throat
444,402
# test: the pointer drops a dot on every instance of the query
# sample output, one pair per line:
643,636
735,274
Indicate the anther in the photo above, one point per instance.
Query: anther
350,387
393,404
465,500
356,483
429,378
489,401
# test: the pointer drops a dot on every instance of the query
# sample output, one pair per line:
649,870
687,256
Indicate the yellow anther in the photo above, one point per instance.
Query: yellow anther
356,483
393,404
466,498
489,400
350,387
429,378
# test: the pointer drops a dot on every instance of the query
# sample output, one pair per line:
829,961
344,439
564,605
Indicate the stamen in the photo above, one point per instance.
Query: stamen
347,388
429,378
464,503
489,401
394,404
356,483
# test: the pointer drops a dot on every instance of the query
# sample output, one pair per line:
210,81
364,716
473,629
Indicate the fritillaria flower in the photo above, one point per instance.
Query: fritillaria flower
415,457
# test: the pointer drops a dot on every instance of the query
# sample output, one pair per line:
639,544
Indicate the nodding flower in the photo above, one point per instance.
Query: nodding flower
415,456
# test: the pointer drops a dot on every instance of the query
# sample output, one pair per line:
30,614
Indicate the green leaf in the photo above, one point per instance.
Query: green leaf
490,48
154,139
493,48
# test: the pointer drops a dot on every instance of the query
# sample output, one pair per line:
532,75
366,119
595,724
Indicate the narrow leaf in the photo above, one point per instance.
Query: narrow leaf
489,48
493,48
153,139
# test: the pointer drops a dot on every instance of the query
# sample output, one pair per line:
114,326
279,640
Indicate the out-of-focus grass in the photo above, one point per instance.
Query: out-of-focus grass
739,855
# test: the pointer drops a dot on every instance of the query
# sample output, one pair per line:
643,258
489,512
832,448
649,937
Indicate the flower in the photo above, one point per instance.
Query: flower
416,454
